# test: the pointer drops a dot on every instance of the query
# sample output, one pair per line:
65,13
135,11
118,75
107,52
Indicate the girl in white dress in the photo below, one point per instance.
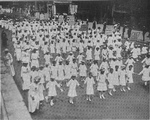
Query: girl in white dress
146,60
47,72
72,84
81,46
110,78
60,70
94,69
41,83
47,58
54,68
52,47
70,57
18,51
102,86
34,59
89,53
97,53
25,75
145,74
122,79
51,86
33,96
89,81
74,68
80,58
67,70
82,70
130,61
58,59
129,76
135,53
104,65
116,76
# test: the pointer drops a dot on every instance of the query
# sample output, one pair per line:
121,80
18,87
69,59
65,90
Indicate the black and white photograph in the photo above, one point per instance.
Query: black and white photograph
75,59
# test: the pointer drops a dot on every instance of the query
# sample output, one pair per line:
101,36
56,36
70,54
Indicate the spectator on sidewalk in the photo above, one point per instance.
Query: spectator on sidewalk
9,62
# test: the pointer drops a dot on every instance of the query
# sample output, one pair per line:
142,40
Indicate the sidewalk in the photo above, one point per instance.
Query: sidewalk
12,100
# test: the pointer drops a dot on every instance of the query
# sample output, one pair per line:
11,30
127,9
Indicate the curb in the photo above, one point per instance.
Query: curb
13,106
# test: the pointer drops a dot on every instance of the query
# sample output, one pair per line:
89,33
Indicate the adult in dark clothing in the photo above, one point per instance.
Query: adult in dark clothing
104,27
144,32
94,24
129,32
4,39
123,31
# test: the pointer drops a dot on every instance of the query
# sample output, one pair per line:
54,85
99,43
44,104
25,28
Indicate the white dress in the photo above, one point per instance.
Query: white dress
110,80
33,98
51,85
47,72
116,78
72,84
80,58
54,71
94,69
97,54
25,74
145,74
60,73
67,70
89,88
47,59
83,70
52,48
130,75
35,61
89,54
74,69
122,78
18,52
102,86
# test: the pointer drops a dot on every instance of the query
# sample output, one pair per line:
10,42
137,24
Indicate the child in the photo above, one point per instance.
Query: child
146,61
67,69
54,68
130,61
116,76
51,85
41,82
74,68
47,57
60,71
82,69
18,51
47,71
70,57
58,59
52,47
129,76
110,80
122,79
94,68
34,58
33,95
145,74
97,53
72,84
102,86
25,75
89,53
89,89
80,58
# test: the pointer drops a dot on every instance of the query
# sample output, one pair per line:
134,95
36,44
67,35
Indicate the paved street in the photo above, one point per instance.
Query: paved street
132,104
